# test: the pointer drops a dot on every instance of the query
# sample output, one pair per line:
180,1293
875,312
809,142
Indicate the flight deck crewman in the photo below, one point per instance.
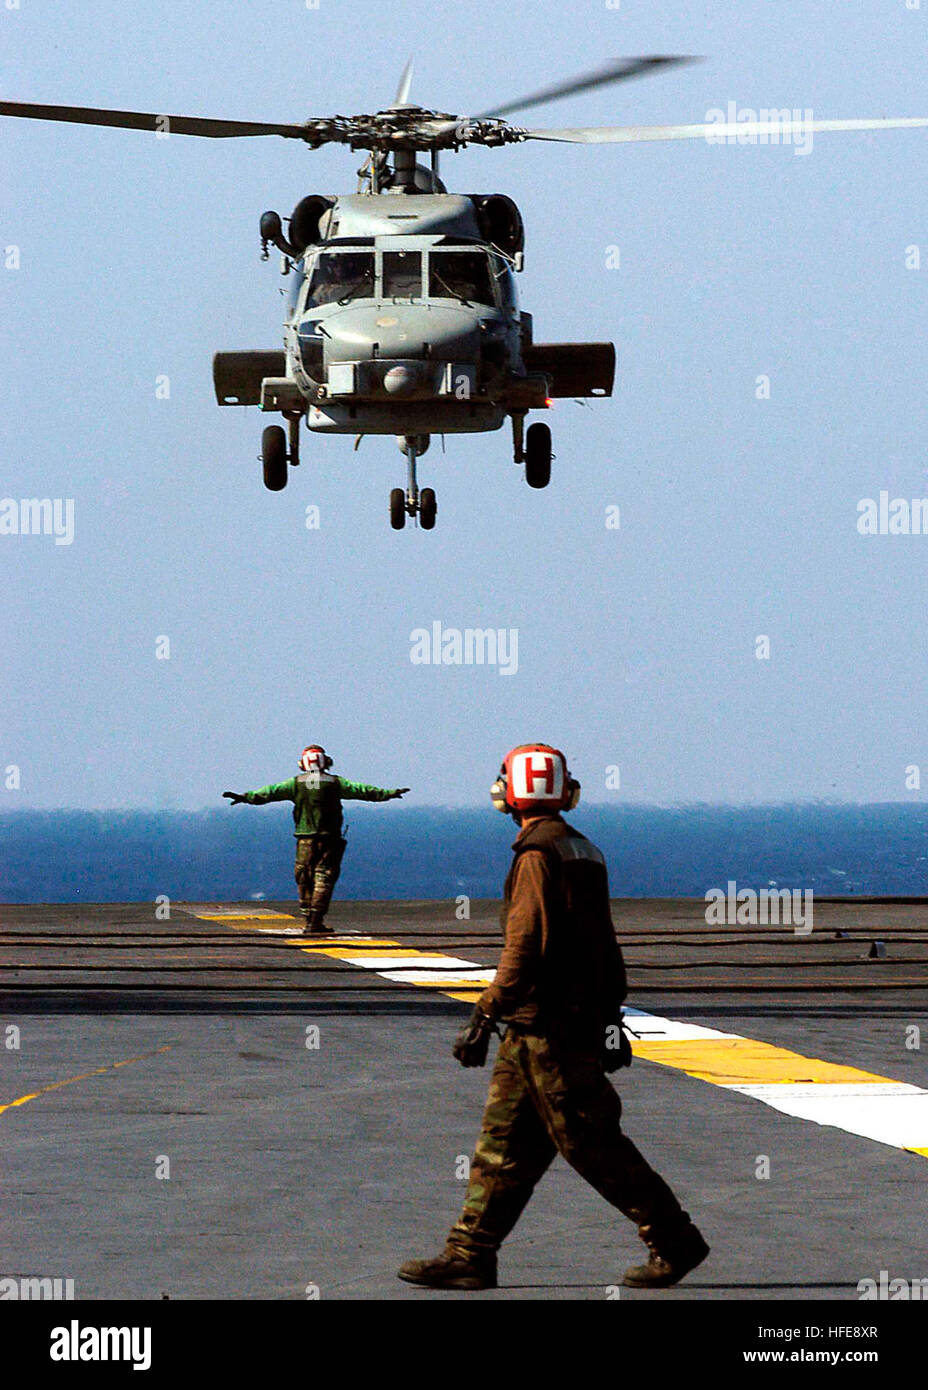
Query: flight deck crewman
559,987
317,797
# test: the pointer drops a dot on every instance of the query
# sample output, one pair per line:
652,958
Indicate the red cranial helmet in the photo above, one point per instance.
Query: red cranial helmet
534,780
314,759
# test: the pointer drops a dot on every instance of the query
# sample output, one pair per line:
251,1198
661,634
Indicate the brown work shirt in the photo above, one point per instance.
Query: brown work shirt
561,968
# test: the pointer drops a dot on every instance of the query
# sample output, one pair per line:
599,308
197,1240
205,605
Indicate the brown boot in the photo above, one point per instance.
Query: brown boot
670,1259
448,1271
315,923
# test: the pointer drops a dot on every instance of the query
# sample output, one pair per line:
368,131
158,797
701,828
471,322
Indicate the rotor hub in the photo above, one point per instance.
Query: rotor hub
408,127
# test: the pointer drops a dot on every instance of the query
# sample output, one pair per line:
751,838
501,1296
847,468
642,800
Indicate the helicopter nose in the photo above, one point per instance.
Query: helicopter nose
357,333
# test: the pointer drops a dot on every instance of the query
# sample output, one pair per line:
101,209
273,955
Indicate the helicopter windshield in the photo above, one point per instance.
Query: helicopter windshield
463,275
340,278
402,274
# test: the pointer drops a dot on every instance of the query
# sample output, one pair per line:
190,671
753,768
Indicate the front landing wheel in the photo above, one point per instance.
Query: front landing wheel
397,509
428,508
274,458
538,455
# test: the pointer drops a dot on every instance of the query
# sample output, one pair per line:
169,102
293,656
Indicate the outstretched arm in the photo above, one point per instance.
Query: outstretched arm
277,791
359,791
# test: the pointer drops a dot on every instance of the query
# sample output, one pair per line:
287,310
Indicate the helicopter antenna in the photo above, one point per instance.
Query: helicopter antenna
402,91
369,172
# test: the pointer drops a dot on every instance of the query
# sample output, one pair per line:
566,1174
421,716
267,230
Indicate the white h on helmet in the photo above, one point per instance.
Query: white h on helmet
534,779
314,759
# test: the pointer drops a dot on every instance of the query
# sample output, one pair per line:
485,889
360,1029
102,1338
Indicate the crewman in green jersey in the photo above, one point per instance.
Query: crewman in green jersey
317,796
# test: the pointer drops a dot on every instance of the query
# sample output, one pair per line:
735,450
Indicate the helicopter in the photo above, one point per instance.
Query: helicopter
402,312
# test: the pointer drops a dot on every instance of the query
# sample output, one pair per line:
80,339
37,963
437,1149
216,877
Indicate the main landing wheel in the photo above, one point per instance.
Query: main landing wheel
428,508
538,455
397,509
274,457
412,502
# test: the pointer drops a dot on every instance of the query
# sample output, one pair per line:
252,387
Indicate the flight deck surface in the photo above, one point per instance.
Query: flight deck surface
213,1105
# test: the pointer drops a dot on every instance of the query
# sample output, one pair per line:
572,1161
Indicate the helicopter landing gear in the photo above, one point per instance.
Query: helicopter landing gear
293,425
538,455
412,502
518,436
275,455
274,458
428,509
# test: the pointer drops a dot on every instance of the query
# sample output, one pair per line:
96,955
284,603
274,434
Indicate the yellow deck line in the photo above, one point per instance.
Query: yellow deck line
345,948
352,950
84,1076
884,1110
236,917
745,1062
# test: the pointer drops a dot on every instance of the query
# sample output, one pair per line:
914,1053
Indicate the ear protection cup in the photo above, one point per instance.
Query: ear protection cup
498,793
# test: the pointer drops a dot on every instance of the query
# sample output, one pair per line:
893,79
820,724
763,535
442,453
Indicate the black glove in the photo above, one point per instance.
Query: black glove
234,797
401,791
617,1050
473,1042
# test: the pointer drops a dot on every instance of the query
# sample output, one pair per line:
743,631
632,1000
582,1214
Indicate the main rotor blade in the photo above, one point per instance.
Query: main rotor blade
618,71
717,132
402,91
141,120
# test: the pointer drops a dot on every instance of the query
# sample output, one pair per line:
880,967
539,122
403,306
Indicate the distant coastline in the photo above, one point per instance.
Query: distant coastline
136,856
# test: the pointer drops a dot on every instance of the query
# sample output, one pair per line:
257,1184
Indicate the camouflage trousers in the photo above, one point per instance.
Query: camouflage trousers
544,1099
318,864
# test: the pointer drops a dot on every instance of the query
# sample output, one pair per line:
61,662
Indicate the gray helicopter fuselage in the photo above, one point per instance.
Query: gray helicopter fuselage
402,320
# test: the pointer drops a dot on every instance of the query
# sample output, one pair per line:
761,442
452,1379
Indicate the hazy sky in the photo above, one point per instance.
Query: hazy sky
636,647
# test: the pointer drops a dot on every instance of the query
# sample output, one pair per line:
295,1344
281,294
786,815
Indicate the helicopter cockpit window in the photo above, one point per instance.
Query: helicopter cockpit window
463,275
402,274
294,287
337,279
505,282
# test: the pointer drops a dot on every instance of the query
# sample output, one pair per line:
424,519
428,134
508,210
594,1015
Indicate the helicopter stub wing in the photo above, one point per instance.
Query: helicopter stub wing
574,369
237,376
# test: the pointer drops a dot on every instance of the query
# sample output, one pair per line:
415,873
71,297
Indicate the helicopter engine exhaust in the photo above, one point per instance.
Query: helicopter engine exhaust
306,220
500,221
